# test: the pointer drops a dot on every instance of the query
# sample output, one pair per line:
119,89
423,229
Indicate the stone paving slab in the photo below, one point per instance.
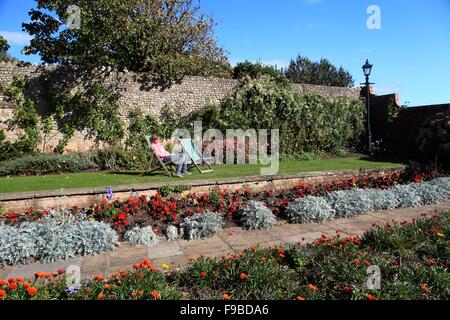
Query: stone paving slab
178,253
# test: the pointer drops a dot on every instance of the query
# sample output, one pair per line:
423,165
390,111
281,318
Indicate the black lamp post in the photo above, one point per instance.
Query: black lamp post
367,69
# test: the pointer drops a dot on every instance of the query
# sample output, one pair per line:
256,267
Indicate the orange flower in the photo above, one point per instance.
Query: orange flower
357,262
107,286
263,259
281,255
32,291
99,278
133,294
432,262
2,294
424,287
203,274
19,279
155,294
242,254
253,249
3,282
312,288
12,286
300,298
243,276
371,297
43,275
26,284
101,296
226,297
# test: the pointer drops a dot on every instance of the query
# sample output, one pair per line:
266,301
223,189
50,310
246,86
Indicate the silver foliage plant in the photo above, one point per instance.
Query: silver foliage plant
60,235
141,236
171,233
408,195
349,203
203,225
309,209
257,216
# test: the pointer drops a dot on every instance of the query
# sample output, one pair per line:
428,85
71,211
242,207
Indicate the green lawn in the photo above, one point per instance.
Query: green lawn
103,179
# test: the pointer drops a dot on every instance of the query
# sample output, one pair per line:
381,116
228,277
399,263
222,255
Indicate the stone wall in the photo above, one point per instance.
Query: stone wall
190,94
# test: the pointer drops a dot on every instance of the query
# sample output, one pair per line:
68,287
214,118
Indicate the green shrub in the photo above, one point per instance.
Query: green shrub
118,159
307,123
44,164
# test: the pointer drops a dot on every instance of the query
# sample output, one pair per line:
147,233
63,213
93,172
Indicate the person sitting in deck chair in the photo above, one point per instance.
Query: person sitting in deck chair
166,157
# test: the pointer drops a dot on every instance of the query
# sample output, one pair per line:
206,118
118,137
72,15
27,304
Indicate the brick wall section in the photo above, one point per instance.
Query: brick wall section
192,93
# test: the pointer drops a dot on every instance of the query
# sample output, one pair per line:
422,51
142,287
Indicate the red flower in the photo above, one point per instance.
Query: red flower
155,294
371,297
432,262
32,291
203,274
243,276
357,262
3,282
348,289
2,294
12,286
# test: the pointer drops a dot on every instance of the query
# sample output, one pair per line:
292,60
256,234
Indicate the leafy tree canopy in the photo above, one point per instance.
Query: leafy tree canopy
255,70
303,70
168,38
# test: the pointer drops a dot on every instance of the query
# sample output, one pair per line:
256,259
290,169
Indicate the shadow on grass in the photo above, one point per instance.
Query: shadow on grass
380,158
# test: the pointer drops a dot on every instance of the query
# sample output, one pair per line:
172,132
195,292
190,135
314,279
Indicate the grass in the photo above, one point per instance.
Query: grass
103,179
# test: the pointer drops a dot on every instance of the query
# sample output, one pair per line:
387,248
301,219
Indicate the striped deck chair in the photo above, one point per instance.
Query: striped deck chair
153,155
195,155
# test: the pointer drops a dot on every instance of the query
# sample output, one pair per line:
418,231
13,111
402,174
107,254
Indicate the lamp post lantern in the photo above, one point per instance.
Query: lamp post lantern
367,69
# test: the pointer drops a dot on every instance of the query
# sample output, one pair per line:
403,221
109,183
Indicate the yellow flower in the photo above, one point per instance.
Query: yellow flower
166,266
440,235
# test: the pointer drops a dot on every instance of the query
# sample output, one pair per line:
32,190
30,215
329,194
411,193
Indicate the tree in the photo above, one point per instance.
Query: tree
303,70
255,70
4,47
167,38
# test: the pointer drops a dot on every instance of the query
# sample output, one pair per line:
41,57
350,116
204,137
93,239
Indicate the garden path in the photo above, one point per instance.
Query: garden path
178,253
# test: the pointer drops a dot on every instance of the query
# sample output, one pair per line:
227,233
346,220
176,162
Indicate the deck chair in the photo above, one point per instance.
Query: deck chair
153,156
195,155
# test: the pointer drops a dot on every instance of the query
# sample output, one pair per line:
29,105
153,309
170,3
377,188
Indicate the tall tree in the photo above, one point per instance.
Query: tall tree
303,70
4,47
168,38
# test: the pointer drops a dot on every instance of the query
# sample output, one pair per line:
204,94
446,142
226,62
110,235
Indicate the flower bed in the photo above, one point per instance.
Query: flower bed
161,211
412,258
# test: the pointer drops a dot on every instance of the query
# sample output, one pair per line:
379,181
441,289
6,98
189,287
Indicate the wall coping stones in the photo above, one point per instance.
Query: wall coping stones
192,183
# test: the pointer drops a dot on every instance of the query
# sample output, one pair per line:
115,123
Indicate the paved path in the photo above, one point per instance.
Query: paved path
178,253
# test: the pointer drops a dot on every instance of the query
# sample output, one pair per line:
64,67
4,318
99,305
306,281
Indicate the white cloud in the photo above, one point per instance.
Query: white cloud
16,38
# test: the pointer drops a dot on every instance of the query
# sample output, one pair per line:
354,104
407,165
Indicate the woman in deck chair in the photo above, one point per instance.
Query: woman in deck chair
166,157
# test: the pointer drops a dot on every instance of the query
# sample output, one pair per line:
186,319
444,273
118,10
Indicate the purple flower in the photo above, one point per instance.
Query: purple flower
109,193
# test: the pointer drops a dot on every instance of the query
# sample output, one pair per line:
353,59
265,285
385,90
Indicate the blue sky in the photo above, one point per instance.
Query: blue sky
410,53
